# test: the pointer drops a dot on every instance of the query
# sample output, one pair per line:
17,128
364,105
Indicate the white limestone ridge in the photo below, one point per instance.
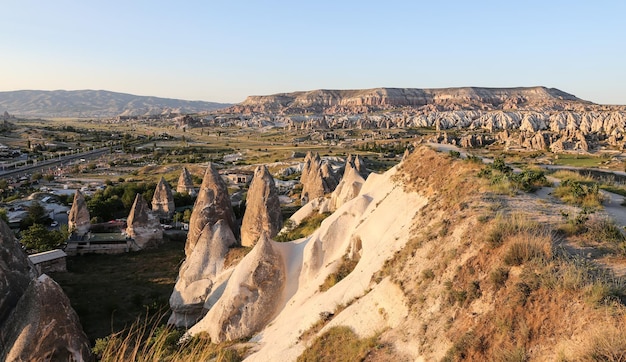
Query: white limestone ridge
273,294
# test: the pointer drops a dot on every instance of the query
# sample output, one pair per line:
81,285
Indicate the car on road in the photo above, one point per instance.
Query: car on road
54,223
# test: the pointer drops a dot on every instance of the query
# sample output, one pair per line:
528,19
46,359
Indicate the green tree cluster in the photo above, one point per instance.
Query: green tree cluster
37,238
116,200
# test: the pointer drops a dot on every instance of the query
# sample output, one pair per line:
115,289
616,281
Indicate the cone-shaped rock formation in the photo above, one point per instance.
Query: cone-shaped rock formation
196,278
211,205
143,225
251,297
317,178
349,186
78,220
185,183
263,215
163,200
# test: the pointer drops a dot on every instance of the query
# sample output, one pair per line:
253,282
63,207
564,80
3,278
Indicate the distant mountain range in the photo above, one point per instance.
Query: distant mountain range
324,101
95,104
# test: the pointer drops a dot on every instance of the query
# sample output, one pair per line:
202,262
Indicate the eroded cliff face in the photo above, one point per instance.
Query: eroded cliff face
425,274
37,322
368,100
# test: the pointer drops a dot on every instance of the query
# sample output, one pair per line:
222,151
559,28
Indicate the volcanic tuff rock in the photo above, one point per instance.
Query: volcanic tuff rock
370,100
263,215
273,293
197,275
211,205
163,200
143,225
252,295
44,327
36,320
185,183
316,178
350,184
78,220
16,271
354,176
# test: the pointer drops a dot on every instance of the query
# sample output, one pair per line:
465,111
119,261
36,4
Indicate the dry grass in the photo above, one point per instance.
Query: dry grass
604,344
142,343
346,267
536,297
338,344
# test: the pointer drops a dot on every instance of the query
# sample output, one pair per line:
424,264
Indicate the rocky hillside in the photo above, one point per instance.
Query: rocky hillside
444,99
424,262
94,104
37,322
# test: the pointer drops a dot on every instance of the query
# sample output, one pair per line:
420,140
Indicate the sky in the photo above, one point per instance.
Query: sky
223,51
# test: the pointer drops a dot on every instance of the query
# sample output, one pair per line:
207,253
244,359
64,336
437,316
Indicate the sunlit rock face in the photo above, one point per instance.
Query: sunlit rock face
251,297
263,215
79,220
163,200
197,276
317,179
212,204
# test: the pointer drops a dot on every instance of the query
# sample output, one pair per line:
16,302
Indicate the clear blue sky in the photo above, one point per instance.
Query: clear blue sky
226,50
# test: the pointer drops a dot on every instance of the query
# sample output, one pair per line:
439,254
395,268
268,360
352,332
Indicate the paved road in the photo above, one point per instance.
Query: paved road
43,165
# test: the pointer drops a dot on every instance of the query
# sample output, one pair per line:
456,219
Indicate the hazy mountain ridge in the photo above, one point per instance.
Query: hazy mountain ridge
441,99
95,103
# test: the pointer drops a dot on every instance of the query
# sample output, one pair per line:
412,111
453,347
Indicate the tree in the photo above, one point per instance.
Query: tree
37,214
39,239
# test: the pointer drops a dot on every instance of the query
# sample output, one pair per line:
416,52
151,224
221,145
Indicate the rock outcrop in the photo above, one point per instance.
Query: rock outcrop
79,221
251,298
317,178
212,204
163,200
16,271
44,327
143,225
197,275
185,183
263,215
37,322
350,184
370,100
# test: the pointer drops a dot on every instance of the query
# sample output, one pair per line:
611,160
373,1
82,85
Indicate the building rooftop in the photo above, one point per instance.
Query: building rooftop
47,256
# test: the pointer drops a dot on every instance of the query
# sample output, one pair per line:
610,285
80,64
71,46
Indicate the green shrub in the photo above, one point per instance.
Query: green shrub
504,180
580,193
